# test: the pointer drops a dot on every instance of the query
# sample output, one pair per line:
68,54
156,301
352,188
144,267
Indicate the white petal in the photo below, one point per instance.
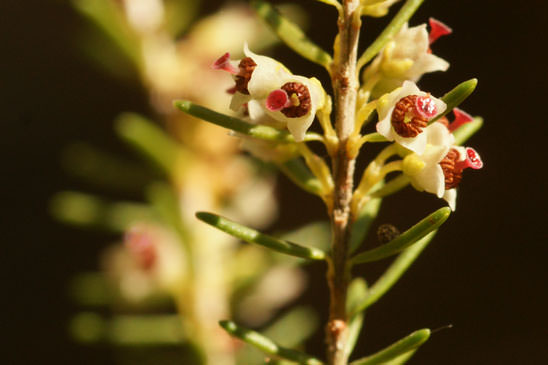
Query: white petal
268,75
299,126
450,197
431,179
437,134
425,64
416,144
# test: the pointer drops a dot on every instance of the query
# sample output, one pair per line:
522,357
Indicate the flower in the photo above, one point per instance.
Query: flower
438,170
286,98
407,57
404,113
255,76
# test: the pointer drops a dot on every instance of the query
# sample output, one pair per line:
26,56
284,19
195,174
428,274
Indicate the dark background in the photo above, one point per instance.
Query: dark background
485,273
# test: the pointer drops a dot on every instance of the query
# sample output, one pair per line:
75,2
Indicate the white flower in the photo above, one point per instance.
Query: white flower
286,98
295,103
404,113
438,170
406,57
256,76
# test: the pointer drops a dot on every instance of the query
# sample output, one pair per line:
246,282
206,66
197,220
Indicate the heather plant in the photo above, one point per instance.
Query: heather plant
375,101
167,280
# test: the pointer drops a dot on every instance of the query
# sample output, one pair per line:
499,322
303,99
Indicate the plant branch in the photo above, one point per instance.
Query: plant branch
345,86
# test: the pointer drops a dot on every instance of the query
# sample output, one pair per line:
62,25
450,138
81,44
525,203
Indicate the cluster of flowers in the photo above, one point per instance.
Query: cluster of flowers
267,93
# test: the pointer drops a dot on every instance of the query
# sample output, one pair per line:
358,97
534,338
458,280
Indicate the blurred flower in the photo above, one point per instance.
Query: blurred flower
404,113
151,261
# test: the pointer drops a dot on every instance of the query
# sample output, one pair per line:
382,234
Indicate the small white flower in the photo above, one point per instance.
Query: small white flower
438,170
407,57
404,113
286,98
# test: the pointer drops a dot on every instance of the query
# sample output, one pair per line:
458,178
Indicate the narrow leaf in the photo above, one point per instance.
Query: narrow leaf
136,330
266,345
291,34
465,131
89,211
394,272
235,124
297,171
411,342
403,15
456,96
104,169
361,225
253,236
150,140
354,329
357,291
107,17
406,239
391,187
165,202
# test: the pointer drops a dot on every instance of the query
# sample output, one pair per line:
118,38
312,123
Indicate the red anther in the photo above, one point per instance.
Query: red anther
425,106
461,117
277,100
223,63
232,90
473,160
437,29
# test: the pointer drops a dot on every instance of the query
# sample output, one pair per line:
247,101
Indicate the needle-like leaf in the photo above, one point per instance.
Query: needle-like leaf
406,239
456,96
238,125
291,34
268,346
406,344
252,236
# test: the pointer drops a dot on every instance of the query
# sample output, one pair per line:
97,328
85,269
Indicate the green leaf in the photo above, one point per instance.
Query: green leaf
253,236
104,169
108,17
406,239
406,344
357,291
165,202
266,345
89,211
297,171
391,187
456,96
294,327
354,329
238,125
315,234
133,330
465,131
291,34
406,11
151,141
361,225
393,273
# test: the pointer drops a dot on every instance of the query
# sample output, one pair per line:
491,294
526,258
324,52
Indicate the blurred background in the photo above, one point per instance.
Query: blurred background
485,273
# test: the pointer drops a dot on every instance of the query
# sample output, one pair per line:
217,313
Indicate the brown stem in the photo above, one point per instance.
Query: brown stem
345,86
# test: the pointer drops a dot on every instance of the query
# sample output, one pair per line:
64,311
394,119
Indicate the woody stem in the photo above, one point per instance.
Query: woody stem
345,88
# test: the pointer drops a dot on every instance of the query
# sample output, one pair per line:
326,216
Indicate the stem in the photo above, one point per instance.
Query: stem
345,85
